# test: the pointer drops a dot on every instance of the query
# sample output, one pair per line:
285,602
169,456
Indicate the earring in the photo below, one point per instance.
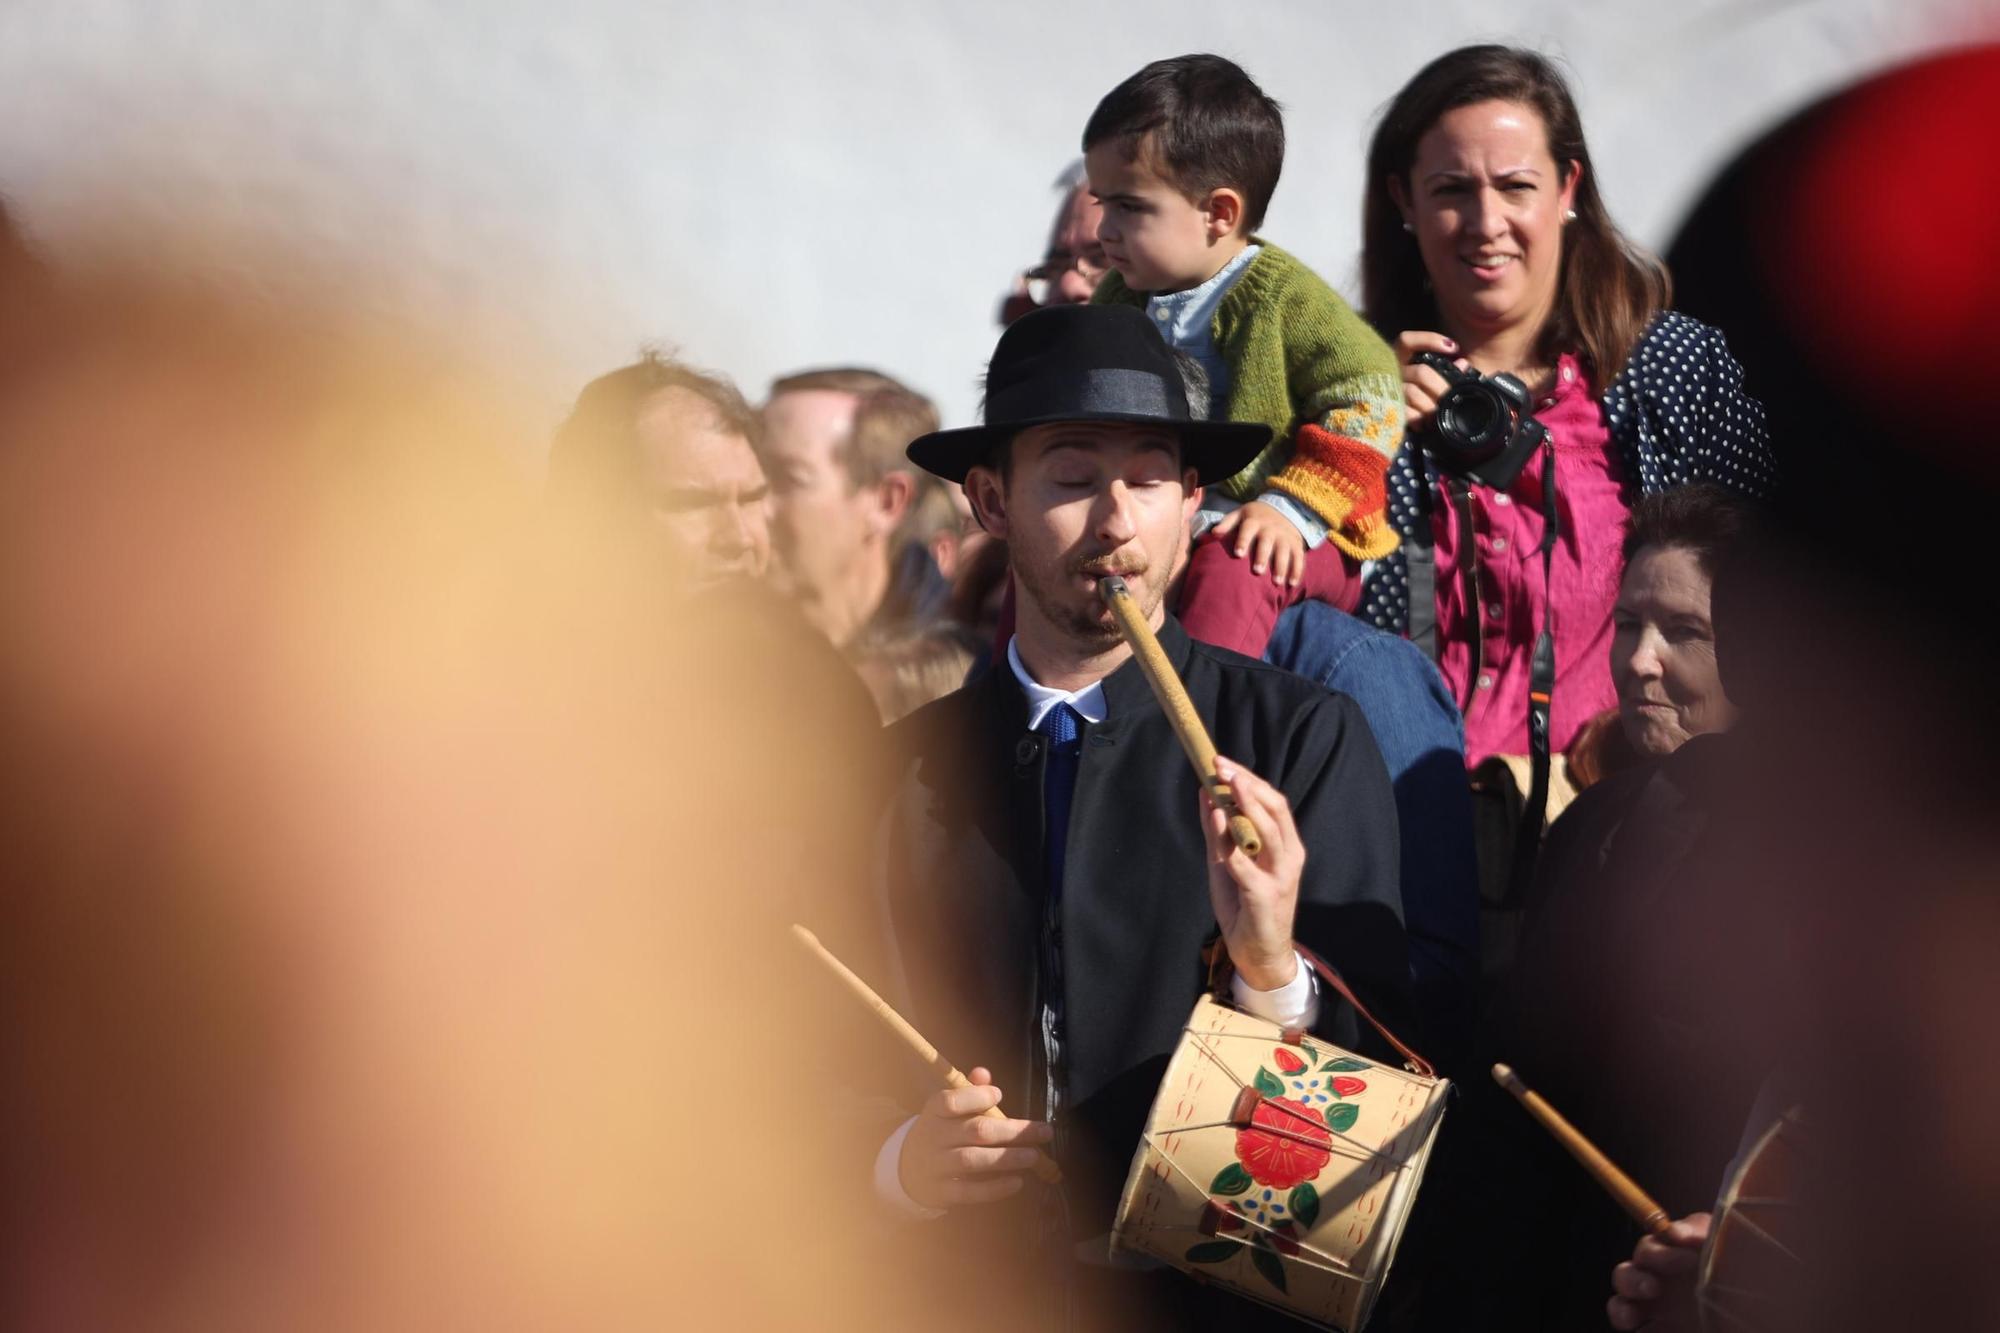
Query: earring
1409,228
1569,215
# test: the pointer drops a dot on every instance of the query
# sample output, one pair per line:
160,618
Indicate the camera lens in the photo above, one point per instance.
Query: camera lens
1469,417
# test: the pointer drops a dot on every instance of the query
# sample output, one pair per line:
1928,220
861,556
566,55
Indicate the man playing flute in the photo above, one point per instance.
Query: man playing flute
1051,868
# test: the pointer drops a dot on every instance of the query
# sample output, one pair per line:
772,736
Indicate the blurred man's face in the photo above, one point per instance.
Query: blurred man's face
820,519
704,489
1074,246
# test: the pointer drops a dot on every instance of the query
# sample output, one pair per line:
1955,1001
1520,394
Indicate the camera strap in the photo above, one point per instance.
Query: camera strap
1541,664
1541,689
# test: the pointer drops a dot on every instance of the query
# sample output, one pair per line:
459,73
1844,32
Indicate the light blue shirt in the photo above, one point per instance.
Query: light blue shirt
1187,321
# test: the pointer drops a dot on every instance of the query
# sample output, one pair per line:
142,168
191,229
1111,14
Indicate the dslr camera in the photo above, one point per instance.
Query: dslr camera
1483,431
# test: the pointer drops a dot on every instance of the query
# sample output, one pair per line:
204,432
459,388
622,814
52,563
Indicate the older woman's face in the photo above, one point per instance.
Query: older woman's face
1663,652
1486,201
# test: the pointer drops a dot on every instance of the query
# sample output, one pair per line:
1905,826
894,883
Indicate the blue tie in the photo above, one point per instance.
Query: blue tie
1063,726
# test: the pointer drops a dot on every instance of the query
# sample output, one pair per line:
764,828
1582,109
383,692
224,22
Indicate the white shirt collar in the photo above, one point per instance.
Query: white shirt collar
1088,701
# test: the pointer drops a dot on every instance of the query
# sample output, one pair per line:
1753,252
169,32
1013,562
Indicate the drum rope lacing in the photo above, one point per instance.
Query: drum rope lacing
1307,1250
1294,1135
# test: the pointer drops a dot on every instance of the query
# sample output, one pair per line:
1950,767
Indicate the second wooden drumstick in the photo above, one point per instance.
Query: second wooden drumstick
1644,1209
1174,701
1045,1167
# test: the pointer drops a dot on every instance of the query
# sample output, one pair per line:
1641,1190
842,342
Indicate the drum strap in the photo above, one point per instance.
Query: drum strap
1416,1063
1218,977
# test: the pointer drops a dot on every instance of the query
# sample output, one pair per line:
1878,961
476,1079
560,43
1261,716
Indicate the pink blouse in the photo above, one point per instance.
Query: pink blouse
1504,613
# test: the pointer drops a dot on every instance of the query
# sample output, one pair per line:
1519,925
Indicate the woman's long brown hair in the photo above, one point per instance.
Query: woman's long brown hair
1609,289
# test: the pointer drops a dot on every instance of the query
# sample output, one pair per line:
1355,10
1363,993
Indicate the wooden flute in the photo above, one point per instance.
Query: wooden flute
1173,697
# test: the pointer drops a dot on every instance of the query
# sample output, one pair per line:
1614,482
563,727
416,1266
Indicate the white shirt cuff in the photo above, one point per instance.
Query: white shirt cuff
1293,1005
889,1175
1302,518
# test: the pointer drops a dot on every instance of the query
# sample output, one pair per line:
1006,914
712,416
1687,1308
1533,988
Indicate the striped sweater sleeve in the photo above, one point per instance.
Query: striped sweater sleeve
1346,379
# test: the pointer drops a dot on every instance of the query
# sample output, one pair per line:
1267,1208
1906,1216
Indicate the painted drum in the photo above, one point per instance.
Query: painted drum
1283,1170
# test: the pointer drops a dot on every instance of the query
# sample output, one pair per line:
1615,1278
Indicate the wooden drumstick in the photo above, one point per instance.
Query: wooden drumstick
1045,1166
1173,697
1635,1201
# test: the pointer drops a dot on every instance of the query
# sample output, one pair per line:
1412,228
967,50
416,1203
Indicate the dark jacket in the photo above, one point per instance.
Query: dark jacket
1646,1008
965,897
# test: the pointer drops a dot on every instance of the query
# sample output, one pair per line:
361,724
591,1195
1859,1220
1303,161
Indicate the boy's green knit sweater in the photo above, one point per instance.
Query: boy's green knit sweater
1302,362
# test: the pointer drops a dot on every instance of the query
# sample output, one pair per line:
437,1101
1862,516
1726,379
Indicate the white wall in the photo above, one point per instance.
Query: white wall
773,187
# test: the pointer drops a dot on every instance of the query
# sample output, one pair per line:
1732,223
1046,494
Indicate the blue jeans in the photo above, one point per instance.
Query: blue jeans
1422,739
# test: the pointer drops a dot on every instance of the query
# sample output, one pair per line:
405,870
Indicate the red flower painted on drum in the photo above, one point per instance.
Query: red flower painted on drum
1288,1158
1288,1064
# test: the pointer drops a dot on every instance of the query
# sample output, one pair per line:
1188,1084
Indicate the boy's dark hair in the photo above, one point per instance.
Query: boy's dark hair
1211,126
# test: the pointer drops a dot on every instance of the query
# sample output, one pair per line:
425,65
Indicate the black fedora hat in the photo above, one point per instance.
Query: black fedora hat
1088,363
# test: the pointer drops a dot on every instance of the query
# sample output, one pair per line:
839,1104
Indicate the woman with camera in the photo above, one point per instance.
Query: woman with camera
1487,245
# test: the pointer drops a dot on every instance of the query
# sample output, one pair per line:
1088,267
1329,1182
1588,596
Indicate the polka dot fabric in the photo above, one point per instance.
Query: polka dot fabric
1678,414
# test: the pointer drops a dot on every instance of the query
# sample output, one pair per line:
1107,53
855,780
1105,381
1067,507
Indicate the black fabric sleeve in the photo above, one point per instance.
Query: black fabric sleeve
1350,900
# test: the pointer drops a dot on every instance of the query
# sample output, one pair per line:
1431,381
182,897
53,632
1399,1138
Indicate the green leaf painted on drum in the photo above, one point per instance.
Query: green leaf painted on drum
1304,1203
1268,1083
1271,1266
1345,1064
1232,1179
1341,1117
1212,1251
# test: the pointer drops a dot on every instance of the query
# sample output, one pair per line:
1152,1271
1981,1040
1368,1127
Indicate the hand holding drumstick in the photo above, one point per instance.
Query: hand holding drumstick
961,1148
1655,1287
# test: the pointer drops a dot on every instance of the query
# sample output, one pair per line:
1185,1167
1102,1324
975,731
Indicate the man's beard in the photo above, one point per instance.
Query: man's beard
1090,622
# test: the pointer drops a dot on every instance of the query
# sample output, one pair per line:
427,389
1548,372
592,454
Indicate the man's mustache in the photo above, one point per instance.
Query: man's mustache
1105,566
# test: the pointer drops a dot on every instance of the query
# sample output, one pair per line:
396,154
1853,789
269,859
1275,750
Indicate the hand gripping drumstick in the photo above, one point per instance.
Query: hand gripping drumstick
1045,1167
1641,1205
1167,687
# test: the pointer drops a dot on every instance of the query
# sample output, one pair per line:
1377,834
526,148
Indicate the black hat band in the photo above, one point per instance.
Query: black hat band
1106,391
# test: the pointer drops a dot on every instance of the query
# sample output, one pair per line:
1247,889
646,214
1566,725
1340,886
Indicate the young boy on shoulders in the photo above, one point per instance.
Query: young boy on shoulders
1184,156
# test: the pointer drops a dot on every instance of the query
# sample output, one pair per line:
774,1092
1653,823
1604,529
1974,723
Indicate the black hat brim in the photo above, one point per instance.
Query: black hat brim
1216,450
